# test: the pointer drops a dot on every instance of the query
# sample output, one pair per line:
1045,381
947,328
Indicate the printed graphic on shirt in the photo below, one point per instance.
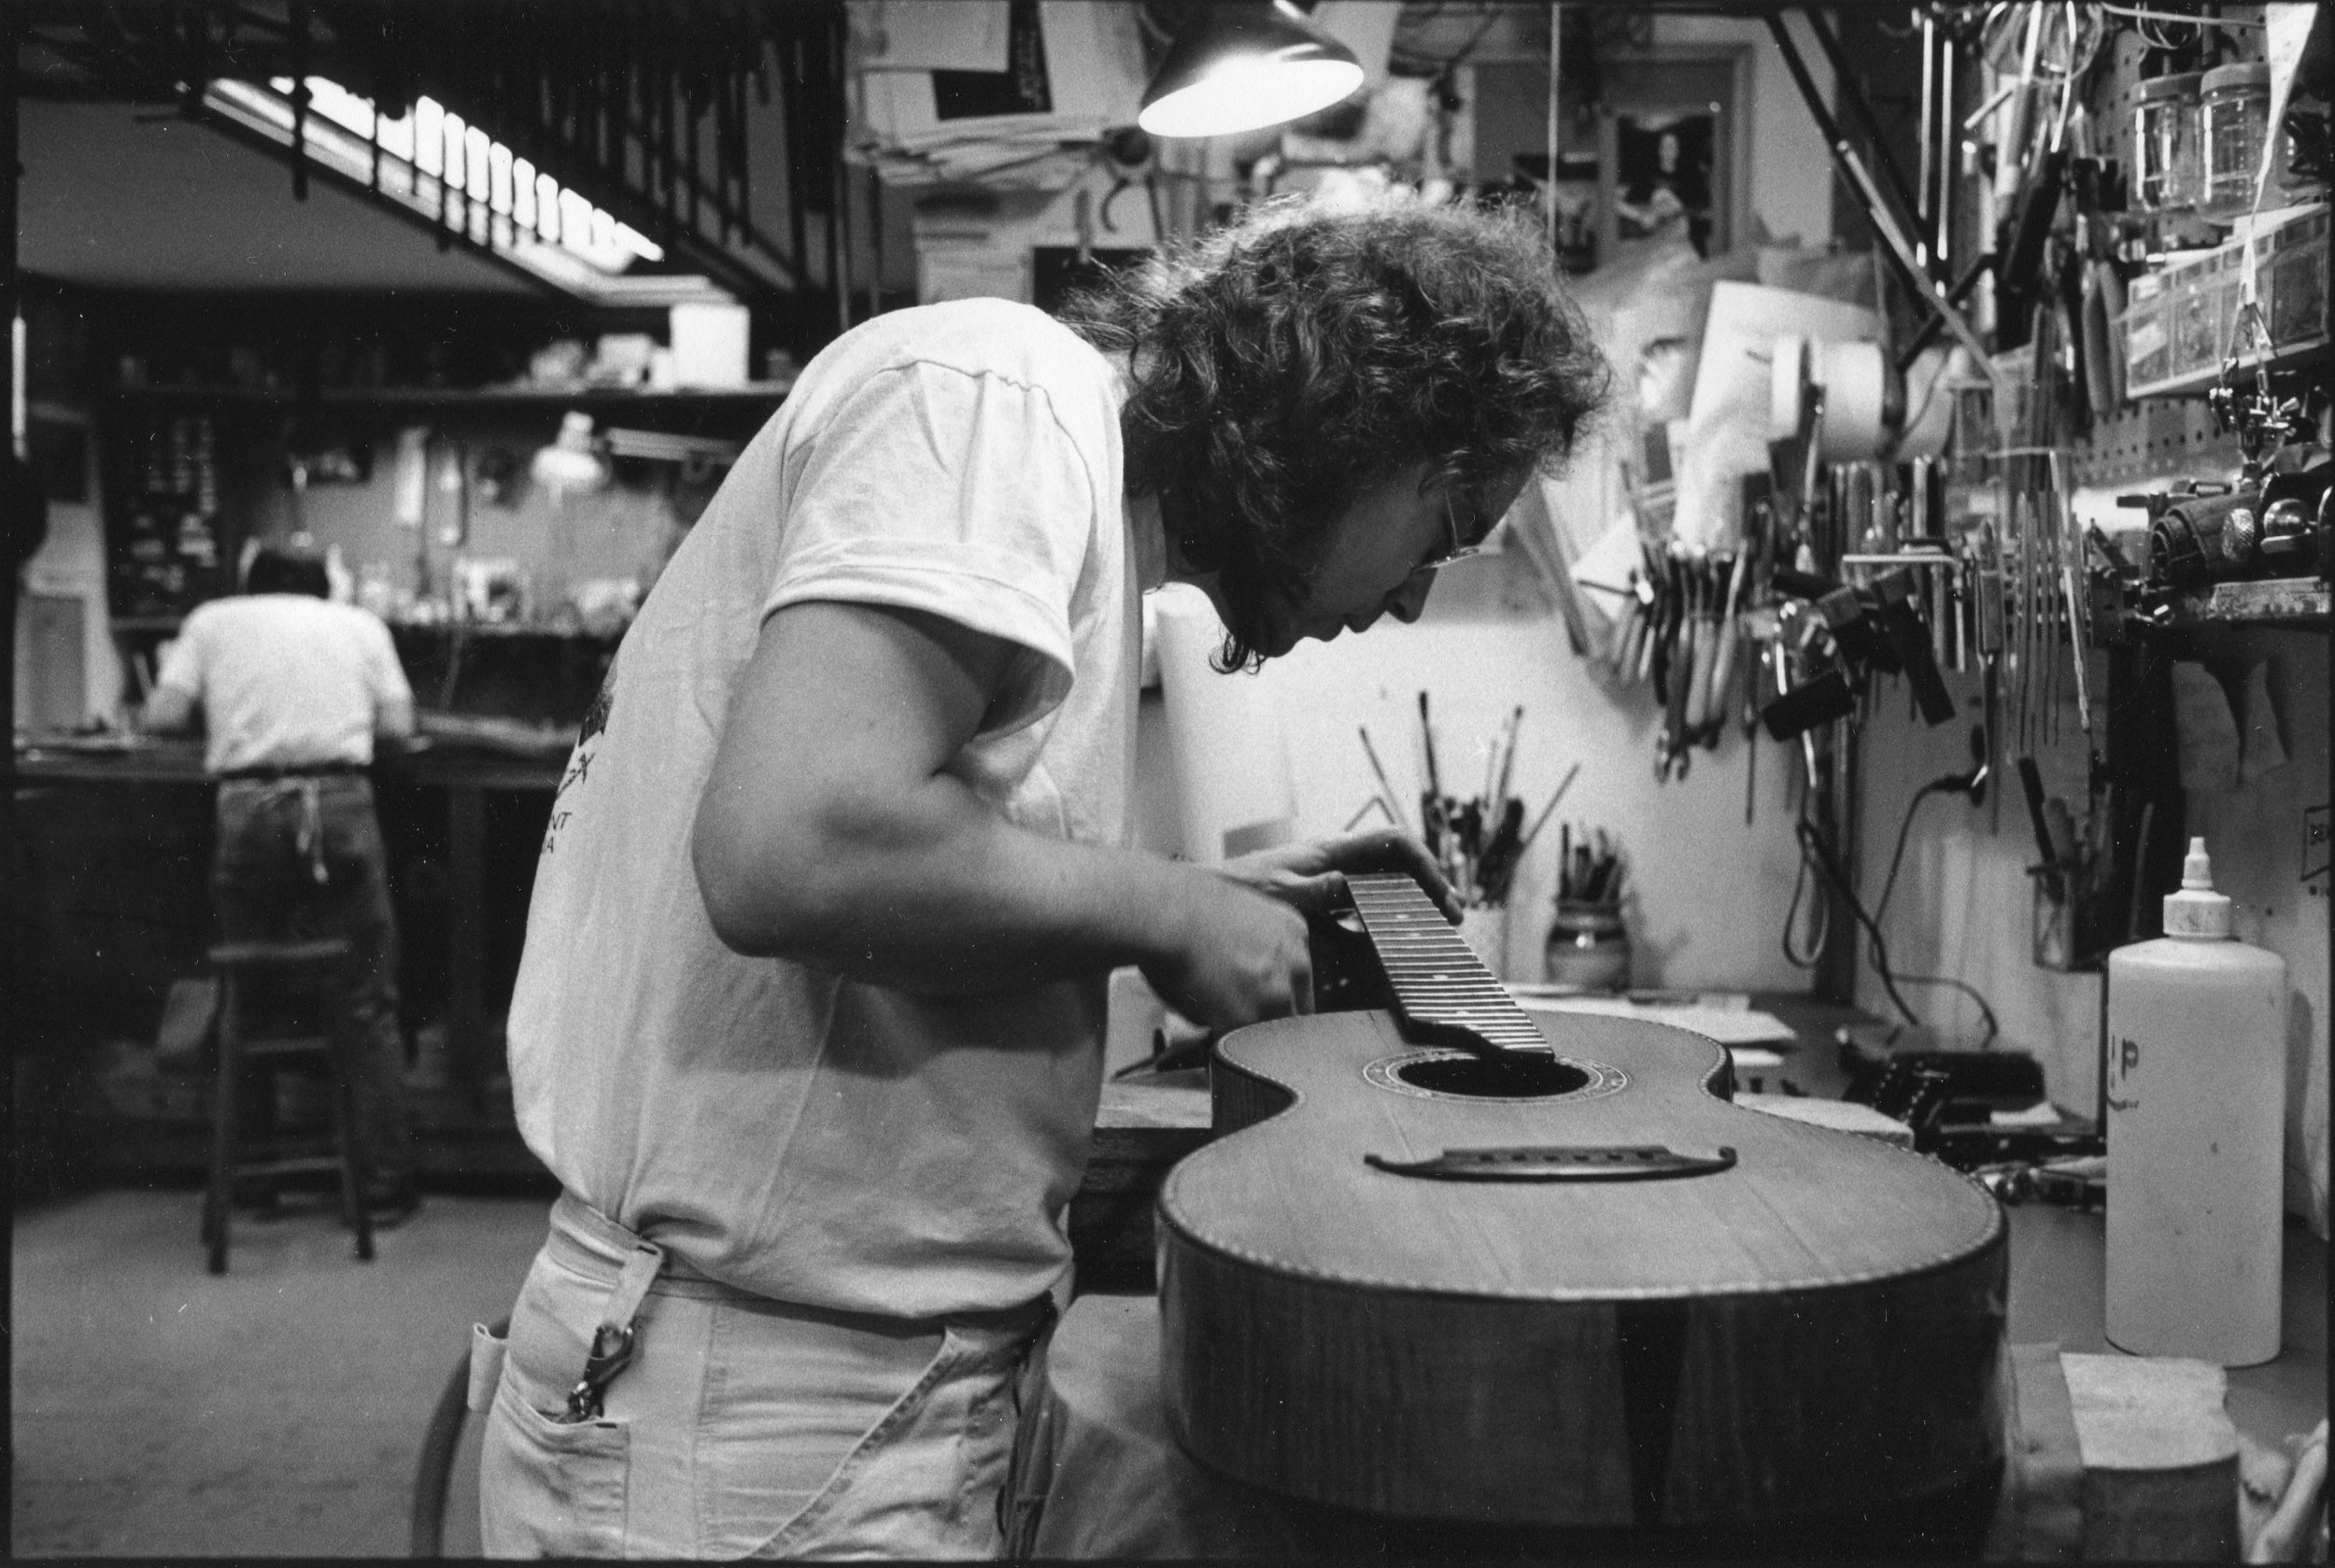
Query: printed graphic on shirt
580,764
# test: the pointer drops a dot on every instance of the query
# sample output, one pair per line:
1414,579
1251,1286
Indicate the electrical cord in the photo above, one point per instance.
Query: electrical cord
1820,923
1877,955
1814,848
1897,857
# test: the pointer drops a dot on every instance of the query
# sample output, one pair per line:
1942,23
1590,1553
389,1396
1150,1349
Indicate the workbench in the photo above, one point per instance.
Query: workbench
465,776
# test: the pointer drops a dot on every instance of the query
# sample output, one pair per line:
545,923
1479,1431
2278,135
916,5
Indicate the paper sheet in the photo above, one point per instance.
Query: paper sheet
2261,750
1729,1026
932,34
1226,739
2207,731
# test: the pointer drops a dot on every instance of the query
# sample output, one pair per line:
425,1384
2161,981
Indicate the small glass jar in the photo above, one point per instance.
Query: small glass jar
2166,160
2234,109
1588,948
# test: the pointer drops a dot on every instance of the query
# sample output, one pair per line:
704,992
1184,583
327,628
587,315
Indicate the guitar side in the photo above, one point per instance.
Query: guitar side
1811,1333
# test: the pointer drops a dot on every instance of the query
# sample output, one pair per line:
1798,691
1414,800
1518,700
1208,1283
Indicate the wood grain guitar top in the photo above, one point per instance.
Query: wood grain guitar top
1801,1209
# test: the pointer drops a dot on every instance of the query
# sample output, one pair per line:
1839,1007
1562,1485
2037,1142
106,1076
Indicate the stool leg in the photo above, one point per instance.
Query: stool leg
218,1201
351,1145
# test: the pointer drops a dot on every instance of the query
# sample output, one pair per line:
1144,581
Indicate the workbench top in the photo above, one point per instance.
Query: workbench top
145,759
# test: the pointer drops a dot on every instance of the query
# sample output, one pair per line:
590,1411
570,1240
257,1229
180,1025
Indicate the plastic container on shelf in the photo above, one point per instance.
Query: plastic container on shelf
1588,947
2167,153
2196,1094
2234,114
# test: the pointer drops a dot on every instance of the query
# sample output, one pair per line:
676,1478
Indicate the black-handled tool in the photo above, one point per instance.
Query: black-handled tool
2030,784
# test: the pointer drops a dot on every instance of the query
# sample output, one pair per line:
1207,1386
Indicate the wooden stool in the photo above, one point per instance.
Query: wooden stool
336,1049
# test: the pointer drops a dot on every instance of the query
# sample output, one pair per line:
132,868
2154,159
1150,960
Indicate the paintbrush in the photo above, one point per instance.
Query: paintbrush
1384,784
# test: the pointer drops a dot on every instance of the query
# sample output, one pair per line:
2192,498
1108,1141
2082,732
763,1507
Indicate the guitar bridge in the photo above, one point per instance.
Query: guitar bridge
1645,1162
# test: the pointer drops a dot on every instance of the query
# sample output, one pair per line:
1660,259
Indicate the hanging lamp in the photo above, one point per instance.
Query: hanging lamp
1245,64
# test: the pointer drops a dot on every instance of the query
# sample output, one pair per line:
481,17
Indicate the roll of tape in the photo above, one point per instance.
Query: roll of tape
1929,405
1854,377
1787,384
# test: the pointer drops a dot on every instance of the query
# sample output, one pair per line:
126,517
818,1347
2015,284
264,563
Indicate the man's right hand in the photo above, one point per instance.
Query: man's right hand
1235,957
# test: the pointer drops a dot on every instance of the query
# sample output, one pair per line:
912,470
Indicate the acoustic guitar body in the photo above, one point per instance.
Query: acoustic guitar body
1639,1306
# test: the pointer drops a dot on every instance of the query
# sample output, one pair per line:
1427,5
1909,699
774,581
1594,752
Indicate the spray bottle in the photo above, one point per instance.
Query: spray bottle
2197,1110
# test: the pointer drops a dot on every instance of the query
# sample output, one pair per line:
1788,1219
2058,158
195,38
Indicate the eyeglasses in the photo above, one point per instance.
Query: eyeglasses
1456,550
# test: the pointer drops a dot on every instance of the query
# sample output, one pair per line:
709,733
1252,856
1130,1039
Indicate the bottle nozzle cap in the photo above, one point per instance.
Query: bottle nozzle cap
2197,911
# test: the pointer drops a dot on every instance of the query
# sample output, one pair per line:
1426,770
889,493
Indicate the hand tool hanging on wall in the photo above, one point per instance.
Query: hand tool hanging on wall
1727,654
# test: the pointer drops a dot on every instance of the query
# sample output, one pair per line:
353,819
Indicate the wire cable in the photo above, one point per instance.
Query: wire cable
1904,825
1813,846
1819,922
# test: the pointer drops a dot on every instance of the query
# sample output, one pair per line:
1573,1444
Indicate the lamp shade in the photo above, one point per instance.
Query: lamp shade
1240,67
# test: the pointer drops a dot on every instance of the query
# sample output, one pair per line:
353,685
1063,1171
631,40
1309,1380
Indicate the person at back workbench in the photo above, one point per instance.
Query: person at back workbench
293,688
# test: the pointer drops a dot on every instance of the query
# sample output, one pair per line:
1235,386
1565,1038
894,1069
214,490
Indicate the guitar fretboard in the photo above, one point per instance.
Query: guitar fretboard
1438,980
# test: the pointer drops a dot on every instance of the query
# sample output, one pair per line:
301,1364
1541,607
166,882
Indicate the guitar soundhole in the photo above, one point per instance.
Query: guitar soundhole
1527,1078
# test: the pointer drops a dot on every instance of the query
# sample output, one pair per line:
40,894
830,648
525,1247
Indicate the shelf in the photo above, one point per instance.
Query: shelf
2286,361
128,624
760,394
504,629
2297,603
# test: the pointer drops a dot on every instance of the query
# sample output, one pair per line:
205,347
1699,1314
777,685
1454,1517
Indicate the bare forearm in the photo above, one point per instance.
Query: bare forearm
936,893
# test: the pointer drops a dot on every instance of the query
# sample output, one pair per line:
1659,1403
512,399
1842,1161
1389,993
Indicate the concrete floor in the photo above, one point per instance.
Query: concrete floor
276,1410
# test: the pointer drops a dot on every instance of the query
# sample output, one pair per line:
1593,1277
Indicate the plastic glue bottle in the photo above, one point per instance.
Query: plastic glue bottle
2197,1110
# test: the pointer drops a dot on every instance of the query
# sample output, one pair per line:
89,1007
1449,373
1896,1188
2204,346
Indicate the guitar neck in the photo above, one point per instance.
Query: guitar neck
1440,986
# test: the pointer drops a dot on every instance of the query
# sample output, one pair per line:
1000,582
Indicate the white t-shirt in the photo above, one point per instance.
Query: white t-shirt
286,680
793,1133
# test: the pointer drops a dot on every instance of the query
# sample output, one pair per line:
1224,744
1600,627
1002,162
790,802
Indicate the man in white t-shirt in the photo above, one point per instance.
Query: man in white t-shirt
293,688
809,1020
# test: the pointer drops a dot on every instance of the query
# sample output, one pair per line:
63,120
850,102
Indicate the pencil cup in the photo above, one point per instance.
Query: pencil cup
1484,927
1588,948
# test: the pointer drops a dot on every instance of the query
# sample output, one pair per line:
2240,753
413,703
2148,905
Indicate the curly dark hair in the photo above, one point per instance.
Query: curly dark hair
1282,364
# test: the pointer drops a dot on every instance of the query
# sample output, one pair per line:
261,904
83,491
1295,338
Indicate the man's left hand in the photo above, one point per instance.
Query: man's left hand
1311,876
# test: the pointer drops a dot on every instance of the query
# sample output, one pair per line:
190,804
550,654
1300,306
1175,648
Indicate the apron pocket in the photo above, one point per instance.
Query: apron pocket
570,1475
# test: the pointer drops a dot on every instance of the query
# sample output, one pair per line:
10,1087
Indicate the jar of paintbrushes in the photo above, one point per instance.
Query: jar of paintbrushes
1476,841
1589,945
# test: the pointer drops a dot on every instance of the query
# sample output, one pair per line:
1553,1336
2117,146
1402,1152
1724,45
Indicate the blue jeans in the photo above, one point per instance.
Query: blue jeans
301,858
741,1427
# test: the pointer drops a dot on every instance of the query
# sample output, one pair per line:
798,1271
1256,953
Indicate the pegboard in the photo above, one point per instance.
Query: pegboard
2156,438
2153,438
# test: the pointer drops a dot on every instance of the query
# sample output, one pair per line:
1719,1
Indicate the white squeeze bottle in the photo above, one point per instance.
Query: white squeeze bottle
2197,1110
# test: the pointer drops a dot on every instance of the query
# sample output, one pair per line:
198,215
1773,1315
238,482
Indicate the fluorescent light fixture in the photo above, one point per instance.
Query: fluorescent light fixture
430,140
1242,65
439,168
